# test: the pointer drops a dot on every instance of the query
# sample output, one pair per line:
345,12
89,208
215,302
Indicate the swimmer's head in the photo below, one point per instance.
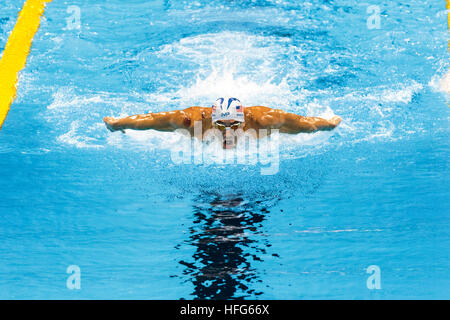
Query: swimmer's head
227,109
227,116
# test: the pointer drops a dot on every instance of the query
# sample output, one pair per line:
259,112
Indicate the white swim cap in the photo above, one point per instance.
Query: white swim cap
227,109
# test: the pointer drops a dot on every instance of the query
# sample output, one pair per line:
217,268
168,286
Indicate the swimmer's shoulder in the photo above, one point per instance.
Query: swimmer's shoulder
256,111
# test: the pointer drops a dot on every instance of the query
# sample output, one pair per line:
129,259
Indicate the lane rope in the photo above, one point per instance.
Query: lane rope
16,52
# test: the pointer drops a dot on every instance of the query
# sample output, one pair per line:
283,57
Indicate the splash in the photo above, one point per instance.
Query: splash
249,70
444,83
251,67
229,63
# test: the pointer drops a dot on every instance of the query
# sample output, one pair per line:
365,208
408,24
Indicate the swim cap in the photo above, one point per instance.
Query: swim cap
227,109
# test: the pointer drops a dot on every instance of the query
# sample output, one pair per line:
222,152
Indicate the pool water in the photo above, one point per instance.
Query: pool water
375,191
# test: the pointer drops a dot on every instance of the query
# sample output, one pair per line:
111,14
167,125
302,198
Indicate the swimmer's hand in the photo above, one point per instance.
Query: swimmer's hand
335,121
111,124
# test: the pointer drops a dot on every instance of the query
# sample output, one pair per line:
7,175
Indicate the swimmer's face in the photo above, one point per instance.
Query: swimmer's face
228,128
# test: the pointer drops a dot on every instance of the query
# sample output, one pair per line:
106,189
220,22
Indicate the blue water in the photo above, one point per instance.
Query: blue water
373,192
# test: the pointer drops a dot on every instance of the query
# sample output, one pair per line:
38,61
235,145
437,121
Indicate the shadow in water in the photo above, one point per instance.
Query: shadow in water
228,240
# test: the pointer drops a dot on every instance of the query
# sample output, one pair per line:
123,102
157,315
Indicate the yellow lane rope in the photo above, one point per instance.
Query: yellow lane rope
445,81
16,52
448,17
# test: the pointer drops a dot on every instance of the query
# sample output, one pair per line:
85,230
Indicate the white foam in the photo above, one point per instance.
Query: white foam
88,110
230,63
80,141
443,84
402,94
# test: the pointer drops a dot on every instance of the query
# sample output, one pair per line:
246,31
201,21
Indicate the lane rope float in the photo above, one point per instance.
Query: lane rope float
16,52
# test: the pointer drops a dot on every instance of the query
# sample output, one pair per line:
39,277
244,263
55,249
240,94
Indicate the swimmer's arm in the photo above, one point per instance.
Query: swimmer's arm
161,121
292,123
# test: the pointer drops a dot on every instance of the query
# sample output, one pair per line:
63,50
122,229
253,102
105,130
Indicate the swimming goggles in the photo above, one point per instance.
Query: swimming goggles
222,126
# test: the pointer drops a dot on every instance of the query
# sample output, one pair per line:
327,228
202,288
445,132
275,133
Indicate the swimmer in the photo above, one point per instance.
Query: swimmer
227,115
